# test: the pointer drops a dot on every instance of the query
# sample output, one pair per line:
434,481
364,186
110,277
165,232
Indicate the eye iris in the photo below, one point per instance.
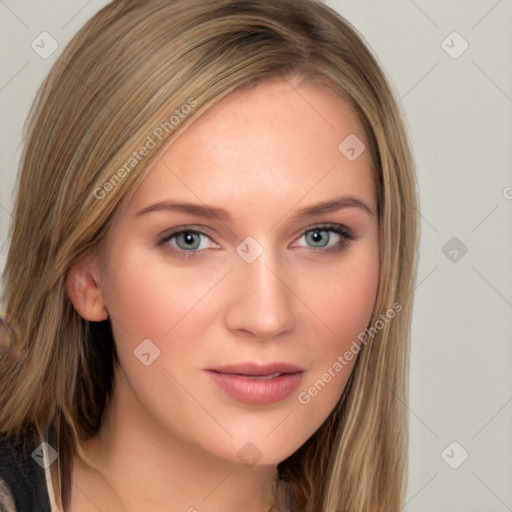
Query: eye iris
318,238
188,240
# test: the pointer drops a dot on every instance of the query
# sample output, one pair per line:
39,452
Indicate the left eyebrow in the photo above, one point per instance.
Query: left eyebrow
333,205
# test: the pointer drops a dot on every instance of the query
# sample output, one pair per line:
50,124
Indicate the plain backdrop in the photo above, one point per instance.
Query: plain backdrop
449,63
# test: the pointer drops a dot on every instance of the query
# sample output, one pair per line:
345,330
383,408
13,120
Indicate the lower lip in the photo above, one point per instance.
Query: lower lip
257,391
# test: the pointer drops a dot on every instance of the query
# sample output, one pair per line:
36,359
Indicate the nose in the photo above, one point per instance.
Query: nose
261,302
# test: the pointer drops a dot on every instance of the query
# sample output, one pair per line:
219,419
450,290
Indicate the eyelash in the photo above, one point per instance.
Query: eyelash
346,238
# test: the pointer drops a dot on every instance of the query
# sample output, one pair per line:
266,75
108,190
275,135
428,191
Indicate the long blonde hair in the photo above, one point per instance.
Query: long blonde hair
132,67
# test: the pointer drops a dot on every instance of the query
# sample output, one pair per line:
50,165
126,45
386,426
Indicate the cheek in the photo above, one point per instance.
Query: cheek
147,300
350,300
344,305
344,295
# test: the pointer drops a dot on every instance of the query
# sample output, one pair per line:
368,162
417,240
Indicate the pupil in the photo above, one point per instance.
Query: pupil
318,237
189,240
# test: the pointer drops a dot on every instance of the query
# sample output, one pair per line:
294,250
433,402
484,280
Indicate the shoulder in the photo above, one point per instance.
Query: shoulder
22,478
6,498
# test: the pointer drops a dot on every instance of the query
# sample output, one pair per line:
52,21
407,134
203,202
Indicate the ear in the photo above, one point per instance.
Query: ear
83,285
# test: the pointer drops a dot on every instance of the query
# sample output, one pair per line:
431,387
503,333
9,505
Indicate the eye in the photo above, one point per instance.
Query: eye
187,242
327,237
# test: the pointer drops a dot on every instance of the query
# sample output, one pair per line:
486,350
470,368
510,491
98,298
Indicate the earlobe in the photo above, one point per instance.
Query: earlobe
84,290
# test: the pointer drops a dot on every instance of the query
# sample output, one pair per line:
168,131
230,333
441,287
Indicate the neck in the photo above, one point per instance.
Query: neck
139,463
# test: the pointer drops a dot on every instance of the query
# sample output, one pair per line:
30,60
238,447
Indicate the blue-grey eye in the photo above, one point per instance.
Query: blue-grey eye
327,237
320,238
189,240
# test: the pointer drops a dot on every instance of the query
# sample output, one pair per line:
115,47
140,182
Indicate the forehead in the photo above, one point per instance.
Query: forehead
282,140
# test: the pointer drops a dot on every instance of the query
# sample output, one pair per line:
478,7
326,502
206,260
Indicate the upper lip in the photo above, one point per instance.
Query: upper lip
257,369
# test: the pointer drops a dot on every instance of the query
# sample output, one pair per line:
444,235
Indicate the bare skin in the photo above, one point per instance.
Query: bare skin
174,440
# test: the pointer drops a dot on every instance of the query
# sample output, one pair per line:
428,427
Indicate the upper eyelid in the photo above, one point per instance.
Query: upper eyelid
203,230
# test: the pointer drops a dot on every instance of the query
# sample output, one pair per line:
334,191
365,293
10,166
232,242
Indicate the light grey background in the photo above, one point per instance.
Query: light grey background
458,112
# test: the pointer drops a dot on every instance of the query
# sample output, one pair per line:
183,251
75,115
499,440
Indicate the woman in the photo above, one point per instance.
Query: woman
209,278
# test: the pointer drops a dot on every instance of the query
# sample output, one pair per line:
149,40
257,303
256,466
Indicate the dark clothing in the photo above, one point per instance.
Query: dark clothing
23,475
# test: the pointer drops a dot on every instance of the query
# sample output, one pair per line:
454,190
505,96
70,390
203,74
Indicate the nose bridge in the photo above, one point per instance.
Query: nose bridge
262,278
262,304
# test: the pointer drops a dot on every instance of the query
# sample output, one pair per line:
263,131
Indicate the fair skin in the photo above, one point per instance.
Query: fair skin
172,437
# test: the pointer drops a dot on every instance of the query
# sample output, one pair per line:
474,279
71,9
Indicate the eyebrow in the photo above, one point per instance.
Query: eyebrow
216,213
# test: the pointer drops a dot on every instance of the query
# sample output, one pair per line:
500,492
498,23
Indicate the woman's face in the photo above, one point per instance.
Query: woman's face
241,272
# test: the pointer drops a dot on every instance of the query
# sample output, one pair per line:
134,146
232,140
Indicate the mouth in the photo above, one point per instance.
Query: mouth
261,377
257,384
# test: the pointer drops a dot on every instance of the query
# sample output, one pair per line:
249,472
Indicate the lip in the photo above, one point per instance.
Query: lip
257,384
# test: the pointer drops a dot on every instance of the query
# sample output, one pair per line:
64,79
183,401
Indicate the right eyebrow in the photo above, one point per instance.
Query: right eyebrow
209,212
